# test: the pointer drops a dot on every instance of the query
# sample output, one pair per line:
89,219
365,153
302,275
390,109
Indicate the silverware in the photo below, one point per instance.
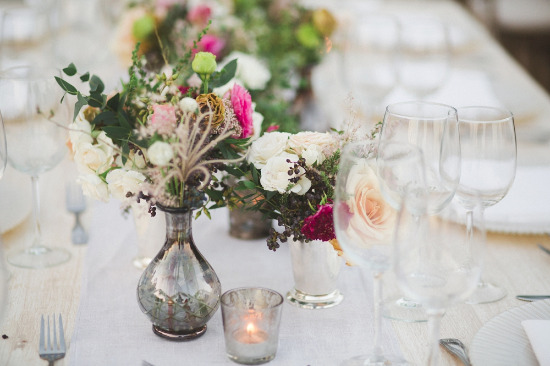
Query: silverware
532,297
52,351
76,204
457,348
544,249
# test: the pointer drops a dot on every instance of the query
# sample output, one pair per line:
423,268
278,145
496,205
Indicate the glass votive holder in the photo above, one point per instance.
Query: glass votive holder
251,318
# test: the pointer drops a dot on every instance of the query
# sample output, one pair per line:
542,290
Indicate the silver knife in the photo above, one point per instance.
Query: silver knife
532,297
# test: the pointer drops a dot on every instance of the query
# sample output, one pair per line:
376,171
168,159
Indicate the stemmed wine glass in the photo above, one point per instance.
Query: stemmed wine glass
434,129
368,60
424,55
437,261
364,216
489,158
34,120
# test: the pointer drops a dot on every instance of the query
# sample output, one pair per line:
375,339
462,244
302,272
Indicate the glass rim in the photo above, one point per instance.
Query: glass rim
390,109
506,114
280,298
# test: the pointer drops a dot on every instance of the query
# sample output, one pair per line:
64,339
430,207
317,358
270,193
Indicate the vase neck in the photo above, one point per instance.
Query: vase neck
178,224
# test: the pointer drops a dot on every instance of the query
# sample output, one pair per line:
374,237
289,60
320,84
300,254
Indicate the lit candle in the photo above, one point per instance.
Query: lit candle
251,335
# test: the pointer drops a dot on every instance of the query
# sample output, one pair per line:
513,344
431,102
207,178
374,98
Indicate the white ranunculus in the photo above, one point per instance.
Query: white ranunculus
313,154
250,70
122,181
80,132
160,153
188,105
275,175
269,145
94,187
302,140
93,158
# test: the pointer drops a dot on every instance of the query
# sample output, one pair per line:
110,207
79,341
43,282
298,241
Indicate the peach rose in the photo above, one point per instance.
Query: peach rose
371,219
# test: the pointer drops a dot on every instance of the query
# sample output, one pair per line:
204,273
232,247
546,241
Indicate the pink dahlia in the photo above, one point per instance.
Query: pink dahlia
199,15
320,226
210,43
163,120
241,102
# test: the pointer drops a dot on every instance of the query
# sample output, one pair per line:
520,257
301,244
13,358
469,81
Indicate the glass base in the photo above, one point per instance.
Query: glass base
141,262
38,257
371,360
404,310
307,301
250,361
179,336
486,293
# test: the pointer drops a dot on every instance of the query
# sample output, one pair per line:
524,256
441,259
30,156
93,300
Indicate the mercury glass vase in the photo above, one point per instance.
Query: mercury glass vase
316,267
179,290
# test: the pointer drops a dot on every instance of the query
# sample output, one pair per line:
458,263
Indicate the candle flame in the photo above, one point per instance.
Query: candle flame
250,328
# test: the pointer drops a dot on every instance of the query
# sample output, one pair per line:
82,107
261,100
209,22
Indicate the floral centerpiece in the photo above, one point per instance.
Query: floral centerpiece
277,43
160,141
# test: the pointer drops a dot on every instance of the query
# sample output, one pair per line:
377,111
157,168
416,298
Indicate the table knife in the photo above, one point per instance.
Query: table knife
532,297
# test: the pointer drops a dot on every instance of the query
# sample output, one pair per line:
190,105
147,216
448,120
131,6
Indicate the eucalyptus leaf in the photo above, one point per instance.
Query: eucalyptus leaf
66,86
70,70
81,102
84,78
225,75
96,85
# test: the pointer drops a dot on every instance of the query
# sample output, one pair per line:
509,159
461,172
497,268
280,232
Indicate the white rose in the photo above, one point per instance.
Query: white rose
269,145
160,153
80,132
122,181
92,159
250,70
94,187
313,154
302,140
275,175
188,105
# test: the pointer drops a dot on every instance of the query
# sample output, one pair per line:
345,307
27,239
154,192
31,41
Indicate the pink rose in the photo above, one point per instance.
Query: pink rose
371,218
163,120
242,106
199,15
320,226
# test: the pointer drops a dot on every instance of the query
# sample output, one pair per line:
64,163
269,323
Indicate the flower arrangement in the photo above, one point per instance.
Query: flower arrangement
293,178
276,42
161,138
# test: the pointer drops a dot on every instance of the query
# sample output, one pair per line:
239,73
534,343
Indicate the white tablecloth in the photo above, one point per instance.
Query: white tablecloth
111,330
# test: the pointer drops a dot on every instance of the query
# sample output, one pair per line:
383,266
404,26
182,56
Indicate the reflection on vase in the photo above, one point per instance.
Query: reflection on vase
316,267
248,225
150,231
179,291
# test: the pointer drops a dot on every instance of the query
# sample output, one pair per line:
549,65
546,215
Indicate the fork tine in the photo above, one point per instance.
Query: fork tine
49,344
61,335
55,346
41,347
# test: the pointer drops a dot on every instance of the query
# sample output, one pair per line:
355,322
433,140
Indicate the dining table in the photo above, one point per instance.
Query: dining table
95,291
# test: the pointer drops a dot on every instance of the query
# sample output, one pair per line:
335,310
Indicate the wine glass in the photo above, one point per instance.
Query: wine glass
437,261
3,148
424,55
3,273
368,60
364,218
35,123
489,158
434,129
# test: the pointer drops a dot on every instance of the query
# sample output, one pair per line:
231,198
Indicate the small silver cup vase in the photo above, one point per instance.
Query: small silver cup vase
316,267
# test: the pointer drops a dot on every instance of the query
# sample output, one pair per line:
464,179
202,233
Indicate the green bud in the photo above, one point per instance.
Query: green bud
308,36
143,27
204,63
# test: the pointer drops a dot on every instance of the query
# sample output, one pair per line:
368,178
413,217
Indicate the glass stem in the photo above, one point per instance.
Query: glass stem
36,213
470,236
377,299
434,324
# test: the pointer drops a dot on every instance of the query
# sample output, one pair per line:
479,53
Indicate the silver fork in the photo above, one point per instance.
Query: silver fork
51,351
76,203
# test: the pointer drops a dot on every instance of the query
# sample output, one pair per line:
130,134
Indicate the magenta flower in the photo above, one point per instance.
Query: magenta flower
242,105
199,15
163,120
209,43
272,128
320,226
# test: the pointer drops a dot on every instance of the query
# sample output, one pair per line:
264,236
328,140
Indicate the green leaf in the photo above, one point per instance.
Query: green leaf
248,184
113,103
96,85
125,152
223,76
116,132
81,102
96,99
84,78
70,70
66,86
106,118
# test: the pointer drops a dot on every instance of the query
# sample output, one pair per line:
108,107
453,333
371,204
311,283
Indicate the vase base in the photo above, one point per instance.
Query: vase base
307,301
179,336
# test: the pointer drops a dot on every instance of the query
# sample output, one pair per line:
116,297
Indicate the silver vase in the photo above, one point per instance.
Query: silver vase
316,267
179,290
